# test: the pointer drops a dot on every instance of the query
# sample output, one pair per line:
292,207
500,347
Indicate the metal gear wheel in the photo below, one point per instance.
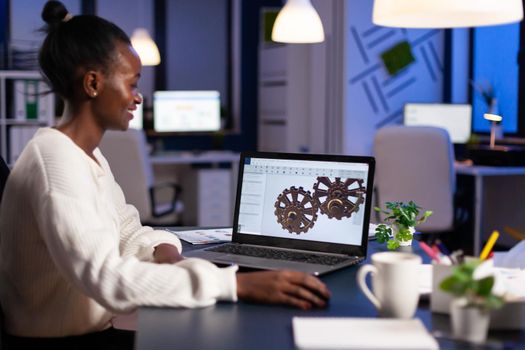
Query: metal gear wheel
296,210
339,199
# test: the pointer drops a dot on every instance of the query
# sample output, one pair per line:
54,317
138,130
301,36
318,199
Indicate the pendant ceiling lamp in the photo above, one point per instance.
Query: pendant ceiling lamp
445,13
298,22
145,47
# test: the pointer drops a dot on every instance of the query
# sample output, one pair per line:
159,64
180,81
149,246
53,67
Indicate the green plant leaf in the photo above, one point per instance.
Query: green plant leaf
478,292
383,233
485,286
392,244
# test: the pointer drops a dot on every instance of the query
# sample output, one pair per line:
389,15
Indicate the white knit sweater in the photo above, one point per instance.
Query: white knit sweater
72,251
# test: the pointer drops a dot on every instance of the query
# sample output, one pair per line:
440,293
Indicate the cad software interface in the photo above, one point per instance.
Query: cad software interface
186,111
303,199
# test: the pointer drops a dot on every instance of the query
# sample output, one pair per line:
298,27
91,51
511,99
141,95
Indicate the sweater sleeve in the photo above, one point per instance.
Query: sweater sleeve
83,238
136,239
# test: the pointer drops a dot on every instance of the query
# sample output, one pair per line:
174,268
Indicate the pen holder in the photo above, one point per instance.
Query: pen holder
439,300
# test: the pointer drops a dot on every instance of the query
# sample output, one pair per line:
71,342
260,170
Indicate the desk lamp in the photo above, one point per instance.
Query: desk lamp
495,119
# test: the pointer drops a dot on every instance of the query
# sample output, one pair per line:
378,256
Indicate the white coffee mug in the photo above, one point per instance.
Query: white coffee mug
394,283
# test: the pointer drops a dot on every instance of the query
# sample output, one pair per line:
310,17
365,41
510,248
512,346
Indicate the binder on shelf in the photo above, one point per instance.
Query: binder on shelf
19,136
46,103
19,88
32,101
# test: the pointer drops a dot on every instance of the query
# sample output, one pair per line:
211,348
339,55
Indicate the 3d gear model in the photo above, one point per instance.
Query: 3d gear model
296,210
338,199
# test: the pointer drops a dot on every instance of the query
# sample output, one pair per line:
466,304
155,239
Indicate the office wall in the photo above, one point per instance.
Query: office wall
373,98
197,54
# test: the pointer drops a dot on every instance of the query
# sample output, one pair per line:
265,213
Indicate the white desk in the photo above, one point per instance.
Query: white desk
480,172
212,157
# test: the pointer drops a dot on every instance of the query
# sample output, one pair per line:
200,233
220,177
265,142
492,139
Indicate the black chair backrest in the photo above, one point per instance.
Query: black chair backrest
4,173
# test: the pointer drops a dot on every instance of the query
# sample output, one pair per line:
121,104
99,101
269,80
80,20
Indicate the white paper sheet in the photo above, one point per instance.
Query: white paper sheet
361,333
205,236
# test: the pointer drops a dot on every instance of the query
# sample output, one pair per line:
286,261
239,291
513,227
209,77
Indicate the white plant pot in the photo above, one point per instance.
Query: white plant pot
469,323
403,243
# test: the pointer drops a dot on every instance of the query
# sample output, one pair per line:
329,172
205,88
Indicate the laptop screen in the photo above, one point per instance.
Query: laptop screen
312,199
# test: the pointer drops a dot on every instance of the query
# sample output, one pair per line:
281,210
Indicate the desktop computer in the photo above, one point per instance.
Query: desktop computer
455,118
186,111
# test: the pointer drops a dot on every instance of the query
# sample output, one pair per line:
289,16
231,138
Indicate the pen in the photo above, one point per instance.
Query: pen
489,245
444,253
442,247
432,254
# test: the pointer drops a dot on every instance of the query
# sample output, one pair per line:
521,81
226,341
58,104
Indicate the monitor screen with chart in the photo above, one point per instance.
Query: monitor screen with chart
186,111
455,118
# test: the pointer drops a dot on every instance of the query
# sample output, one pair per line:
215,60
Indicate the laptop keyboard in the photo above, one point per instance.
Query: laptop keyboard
279,254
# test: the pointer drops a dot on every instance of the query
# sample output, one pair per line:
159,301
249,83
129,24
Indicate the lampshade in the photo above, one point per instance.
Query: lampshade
298,22
145,47
445,13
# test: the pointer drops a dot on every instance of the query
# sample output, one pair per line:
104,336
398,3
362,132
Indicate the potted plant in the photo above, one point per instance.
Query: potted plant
401,220
473,300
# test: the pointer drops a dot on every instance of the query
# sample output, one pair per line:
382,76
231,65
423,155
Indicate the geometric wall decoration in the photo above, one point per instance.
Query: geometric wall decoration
374,97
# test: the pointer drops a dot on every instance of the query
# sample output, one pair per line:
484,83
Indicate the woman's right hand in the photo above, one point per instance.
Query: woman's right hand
283,287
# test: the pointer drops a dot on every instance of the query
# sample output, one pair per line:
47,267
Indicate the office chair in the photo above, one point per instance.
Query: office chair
417,164
126,152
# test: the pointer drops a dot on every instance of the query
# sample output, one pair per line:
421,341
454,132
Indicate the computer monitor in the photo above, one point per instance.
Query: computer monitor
455,118
186,111
138,118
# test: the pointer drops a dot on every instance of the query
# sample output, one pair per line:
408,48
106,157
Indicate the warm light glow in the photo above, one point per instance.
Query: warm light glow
298,22
145,47
492,117
445,13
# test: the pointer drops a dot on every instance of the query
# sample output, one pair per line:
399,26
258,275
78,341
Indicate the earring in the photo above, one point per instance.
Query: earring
94,94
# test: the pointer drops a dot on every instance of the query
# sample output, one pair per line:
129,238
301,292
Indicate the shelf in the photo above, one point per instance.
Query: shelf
16,74
24,122
15,133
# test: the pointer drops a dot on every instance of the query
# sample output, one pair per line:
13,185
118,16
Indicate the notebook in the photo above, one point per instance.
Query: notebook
318,333
298,211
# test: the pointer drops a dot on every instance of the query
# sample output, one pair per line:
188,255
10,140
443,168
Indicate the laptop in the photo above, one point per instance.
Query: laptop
298,211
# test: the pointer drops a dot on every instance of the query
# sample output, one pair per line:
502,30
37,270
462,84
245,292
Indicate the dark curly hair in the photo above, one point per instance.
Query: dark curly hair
74,43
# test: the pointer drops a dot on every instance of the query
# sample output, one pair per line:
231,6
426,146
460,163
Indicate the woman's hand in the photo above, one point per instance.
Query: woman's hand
283,287
166,254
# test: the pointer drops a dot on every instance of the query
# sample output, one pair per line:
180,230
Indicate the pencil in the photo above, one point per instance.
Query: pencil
489,245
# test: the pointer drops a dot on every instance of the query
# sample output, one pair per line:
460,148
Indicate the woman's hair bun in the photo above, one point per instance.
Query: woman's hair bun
54,12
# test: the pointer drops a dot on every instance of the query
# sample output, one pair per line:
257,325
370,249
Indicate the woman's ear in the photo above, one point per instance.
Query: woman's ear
92,83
